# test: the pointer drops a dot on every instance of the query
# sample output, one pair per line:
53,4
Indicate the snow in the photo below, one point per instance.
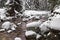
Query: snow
9,31
2,29
8,18
2,13
8,1
38,36
28,33
34,13
7,25
16,12
13,26
37,17
31,17
19,23
34,24
48,33
17,38
55,23
57,9
43,26
25,19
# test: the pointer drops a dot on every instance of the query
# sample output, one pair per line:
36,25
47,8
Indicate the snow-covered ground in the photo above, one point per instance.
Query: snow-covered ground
53,22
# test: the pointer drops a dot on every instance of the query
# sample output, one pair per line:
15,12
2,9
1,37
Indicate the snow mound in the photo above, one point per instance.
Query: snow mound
43,26
33,24
28,33
7,25
38,36
55,23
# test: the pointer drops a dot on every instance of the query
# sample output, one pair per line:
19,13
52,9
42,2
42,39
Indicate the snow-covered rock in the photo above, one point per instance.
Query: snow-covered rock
57,9
34,24
3,12
29,33
31,13
7,25
17,38
44,26
55,23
